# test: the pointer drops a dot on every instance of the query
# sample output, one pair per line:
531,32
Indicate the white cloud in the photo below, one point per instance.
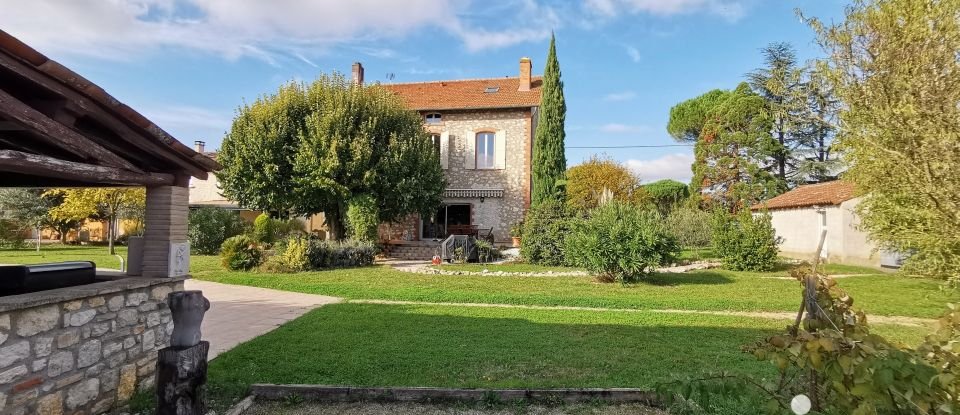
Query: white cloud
620,96
729,9
266,30
633,53
616,128
674,166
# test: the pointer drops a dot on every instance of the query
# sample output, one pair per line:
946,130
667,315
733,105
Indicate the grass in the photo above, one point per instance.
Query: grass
100,255
447,346
697,290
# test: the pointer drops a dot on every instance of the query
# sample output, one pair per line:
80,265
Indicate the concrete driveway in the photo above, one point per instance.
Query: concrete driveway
238,313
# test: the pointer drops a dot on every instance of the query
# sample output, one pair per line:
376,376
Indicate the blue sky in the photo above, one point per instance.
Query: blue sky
187,64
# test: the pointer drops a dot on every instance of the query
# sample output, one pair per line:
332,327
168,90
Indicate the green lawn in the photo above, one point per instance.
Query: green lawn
698,290
446,346
98,254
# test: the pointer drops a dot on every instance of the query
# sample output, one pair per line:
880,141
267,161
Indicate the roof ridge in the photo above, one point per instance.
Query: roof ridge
457,80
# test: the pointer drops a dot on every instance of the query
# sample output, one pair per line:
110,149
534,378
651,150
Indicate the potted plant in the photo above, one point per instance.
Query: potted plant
516,232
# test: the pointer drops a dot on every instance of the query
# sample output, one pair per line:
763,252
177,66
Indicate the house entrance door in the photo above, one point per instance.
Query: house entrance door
438,225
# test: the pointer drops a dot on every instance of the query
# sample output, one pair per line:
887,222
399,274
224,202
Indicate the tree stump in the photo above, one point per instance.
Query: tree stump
181,375
182,367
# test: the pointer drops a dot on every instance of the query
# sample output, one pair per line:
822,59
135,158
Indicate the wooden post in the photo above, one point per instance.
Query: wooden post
182,367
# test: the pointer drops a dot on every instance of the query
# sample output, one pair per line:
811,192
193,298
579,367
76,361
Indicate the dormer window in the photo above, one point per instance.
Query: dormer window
433,118
491,89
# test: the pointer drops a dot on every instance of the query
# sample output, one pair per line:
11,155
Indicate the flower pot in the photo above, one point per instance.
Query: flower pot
516,241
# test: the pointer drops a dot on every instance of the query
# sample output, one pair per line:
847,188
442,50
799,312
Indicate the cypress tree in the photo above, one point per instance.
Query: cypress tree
549,160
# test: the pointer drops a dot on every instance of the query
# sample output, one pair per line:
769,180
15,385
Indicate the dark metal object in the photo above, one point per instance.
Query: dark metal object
20,279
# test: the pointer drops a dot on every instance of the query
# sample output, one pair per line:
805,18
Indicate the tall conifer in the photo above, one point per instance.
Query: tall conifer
549,160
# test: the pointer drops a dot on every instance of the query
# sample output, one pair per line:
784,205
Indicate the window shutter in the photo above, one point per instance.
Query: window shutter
500,150
470,151
444,150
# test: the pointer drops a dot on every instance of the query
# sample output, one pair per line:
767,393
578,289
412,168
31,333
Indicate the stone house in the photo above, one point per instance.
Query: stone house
483,130
799,216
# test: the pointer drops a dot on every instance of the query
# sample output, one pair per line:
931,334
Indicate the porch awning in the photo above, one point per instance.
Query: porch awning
472,193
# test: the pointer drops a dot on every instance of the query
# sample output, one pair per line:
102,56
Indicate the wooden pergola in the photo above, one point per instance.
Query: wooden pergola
58,129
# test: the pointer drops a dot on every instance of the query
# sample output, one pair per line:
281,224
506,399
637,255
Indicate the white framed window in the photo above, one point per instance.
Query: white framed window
486,153
433,118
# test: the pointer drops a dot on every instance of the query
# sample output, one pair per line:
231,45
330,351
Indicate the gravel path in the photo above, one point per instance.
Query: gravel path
773,315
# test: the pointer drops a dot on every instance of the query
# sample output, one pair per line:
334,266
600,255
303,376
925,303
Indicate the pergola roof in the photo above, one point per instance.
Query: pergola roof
58,129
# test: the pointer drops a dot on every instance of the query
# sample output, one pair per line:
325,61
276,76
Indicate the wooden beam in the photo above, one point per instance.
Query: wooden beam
58,134
43,166
95,111
10,126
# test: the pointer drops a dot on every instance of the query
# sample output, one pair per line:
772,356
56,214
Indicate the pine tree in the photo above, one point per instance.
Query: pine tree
549,160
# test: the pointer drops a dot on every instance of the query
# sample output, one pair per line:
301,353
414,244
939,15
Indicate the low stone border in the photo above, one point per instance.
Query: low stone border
241,406
324,393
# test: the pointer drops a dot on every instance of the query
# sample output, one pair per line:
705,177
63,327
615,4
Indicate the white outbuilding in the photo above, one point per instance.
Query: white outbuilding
802,213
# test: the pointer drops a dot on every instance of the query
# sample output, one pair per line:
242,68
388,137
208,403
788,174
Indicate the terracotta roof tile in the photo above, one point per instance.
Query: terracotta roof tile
828,193
468,94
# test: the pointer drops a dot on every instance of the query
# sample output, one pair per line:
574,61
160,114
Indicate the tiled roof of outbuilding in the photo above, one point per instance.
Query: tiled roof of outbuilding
468,94
820,194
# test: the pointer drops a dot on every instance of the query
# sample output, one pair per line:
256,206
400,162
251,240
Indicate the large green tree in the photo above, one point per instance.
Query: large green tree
549,158
733,146
802,109
28,207
311,148
894,65
257,153
109,204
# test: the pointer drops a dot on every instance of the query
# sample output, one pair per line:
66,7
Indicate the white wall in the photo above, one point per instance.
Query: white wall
800,229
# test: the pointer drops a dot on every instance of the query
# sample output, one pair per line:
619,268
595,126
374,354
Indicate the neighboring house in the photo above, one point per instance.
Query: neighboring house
802,213
483,131
206,193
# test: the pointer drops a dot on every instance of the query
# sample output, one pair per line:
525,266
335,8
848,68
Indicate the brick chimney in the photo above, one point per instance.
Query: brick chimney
526,66
357,73
198,146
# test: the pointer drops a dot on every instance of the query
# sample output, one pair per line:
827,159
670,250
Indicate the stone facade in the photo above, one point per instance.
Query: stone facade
461,127
83,354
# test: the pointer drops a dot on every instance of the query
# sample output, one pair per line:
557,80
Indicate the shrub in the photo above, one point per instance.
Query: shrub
689,226
544,230
745,242
265,229
621,242
240,253
363,218
11,234
333,254
293,255
844,368
208,227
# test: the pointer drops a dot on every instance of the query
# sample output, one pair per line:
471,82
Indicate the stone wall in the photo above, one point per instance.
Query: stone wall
514,178
86,353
